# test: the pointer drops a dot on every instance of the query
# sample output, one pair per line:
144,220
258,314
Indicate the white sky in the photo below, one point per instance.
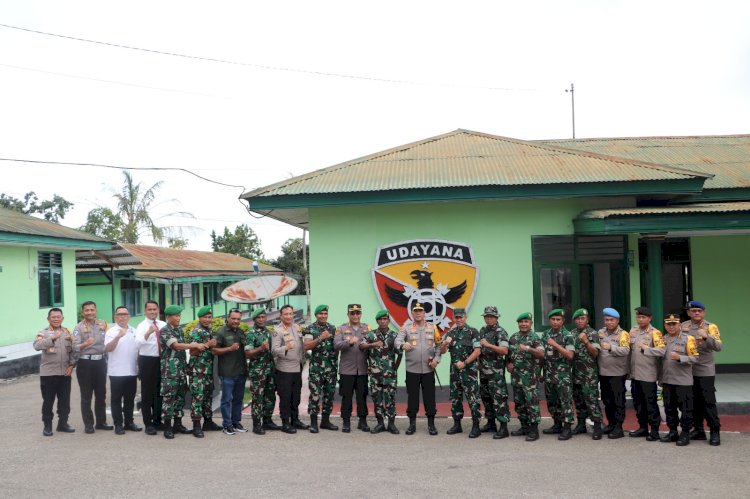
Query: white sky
639,68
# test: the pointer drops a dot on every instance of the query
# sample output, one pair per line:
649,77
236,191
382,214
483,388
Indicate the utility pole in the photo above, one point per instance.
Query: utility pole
572,107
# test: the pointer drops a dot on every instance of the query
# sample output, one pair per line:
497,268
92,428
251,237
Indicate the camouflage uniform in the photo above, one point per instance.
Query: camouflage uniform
464,382
558,384
173,381
323,369
261,371
586,377
381,366
493,388
201,373
525,376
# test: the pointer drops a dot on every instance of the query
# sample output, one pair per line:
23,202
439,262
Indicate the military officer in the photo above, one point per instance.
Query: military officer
382,363
526,353
558,384
260,372
492,386
323,369
353,367
708,339
613,368
646,352
464,345
201,373
586,374
55,369
681,353
172,348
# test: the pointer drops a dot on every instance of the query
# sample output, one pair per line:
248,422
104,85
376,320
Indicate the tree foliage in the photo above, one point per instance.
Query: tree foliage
291,261
243,242
104,223
53,210
177,242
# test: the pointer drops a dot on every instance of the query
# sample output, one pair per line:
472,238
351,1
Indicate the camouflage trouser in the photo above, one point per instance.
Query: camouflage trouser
263,388
586,397
321,385
526,398
173,390
559,392
202,390
494,393
464,383
383,394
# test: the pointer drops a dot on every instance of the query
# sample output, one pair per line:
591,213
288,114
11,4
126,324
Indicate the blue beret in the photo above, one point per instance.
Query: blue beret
611,312
696,304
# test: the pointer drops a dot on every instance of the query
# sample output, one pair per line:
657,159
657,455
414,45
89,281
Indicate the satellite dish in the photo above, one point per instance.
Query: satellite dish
259,289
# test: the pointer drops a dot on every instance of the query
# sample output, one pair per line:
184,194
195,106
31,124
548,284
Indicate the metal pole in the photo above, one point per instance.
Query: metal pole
572,107
304,266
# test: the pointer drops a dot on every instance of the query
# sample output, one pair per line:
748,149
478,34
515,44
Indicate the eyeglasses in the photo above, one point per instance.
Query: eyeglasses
122,313
355,313
694,310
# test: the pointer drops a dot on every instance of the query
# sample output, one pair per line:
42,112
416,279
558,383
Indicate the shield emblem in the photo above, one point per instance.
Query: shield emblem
441,275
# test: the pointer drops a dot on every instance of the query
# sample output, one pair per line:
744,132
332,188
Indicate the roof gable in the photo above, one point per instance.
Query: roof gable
17,228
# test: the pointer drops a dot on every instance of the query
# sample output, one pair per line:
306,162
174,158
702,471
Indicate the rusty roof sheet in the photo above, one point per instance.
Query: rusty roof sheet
184,263
16,222
734,207
117,256
464,159
727,157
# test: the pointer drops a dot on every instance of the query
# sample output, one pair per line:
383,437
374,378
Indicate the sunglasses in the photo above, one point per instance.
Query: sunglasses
355,313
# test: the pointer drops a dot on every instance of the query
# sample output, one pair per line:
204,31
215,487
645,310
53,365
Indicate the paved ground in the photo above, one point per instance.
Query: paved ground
353,465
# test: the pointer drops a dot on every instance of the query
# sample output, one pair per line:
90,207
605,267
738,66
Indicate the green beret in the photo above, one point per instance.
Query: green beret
554,312
321,308
257,312
173,310
580,312
381,313
525,315
204,310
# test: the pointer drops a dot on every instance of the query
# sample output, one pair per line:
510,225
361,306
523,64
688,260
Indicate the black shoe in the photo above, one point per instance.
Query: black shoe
65,428
412,426
456,428
287,428
300,425
47,431
392,426
521,432
132,427
616,433
104,426
179,428
347,426
553,430
314,423
268,424
597,433
715,438
640,432
362,425
88,429
653,435
580,428
209,425
238,428
325,423
119,430
431,426
698,434
490,426
533,433
150,430
197,431
168,432
670,437
228,430
475,430
162,426
608,429
684,439
380,427
565,433
502,432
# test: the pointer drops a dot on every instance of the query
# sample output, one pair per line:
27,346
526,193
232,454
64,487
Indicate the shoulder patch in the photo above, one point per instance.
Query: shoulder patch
691,347
625,339
658,339
713,330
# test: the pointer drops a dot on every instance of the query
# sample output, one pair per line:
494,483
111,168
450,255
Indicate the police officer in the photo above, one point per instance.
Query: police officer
353,367
613,368
464,345
646,352
493,389
524,364
558,384
288,348
382,361
586,374
681,353
323,369
261,373
201,373
708,339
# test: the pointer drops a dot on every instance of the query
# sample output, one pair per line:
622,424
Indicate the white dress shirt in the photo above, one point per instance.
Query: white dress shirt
147,347
123,360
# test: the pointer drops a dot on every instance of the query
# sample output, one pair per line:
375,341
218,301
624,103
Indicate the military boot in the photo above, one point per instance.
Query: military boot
209,425
179,427
362,425
554,429
168,431
197,432
580,427
64,427
616,432
299,424
522,431
456,428
715,437
597,433
268,424
671,436
565,433
502,432
380,427
314,423
431,426
698,434
683,439
475,431
533,433
47,431
412,426
490,426
286,427
258,427
653,435
347,425
608,429
326,424
640,432
392,426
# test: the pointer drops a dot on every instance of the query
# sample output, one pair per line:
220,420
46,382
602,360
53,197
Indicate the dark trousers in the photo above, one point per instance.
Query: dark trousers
644,401
413,383
149,371
348,384
55,387
704,403
92,379
289,388
613,396
122,398
678,397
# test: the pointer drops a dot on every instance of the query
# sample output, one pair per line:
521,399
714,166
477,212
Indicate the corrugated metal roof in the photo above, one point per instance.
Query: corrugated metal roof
739,206
16,222
464,159
727,157
115,257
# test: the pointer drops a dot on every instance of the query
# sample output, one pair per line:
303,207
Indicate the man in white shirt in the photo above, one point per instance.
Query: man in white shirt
146,340
122,368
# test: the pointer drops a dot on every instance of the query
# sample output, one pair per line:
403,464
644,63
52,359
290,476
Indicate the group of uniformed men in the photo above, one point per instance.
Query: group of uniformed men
572,365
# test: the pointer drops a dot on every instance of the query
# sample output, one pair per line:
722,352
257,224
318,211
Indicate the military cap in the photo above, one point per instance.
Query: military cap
257,312
491,311
381,313
173,310
578,313
524,316
321,308
611,312
417,306
644,311
556,311
672,319
696,304
204,310
354,307
459,312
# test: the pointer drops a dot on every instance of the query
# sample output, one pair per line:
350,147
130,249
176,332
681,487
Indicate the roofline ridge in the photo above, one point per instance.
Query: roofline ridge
645,137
